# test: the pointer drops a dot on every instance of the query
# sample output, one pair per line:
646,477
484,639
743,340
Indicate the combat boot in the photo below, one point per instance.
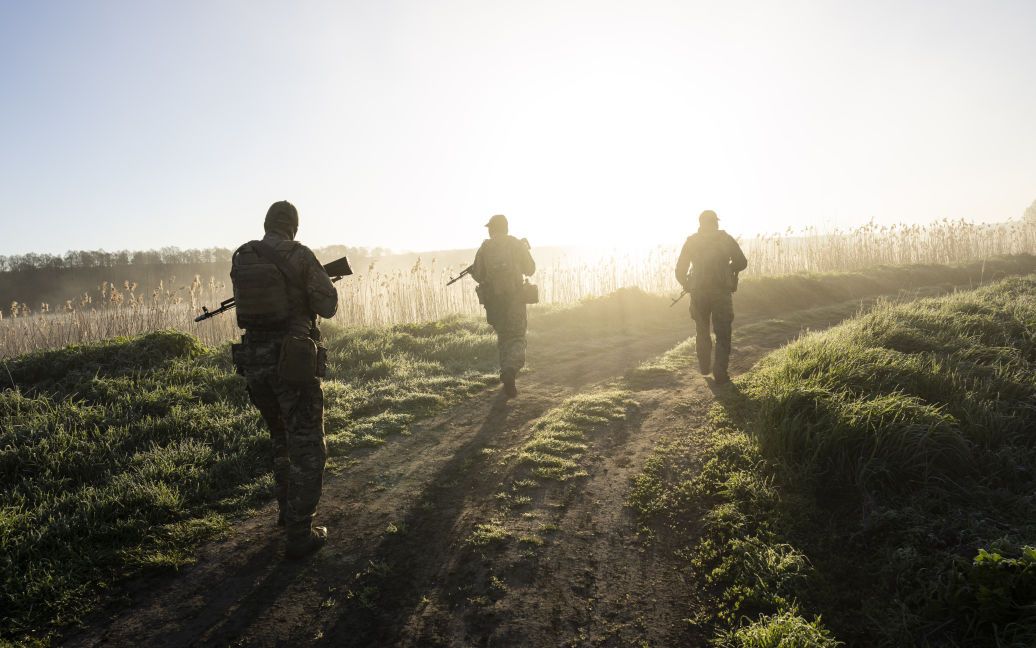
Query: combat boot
307,544
507,377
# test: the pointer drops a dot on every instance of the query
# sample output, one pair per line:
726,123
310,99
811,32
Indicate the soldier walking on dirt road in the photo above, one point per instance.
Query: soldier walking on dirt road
279,289
713,259
500,266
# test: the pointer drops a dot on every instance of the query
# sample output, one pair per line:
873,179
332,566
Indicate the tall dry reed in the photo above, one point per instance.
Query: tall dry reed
374,298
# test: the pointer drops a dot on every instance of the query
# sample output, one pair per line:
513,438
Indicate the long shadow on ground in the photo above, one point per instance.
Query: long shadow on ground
384,596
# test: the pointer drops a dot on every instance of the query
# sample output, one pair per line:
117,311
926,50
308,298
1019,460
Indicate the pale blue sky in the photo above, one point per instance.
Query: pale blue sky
406,124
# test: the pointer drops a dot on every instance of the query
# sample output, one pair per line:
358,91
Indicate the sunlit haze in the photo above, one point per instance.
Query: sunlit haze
407,124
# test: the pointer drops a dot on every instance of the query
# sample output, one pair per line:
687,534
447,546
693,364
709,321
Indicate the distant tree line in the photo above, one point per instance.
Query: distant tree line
74,259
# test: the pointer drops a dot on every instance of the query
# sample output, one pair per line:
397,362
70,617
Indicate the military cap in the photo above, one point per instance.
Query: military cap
282,215
498,221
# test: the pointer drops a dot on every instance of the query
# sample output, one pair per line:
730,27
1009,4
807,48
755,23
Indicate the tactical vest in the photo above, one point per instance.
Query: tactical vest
260,291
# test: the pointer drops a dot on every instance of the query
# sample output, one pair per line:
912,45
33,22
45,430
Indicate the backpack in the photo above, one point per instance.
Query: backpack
260,288
711,262
503,272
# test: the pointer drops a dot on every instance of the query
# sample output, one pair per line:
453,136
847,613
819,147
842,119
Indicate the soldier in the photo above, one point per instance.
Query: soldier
714,259
280,288
500,266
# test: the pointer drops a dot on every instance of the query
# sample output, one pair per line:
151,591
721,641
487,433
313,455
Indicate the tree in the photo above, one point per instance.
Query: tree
1030,213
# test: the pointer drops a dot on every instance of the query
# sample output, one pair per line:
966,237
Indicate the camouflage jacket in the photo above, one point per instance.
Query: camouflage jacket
708,260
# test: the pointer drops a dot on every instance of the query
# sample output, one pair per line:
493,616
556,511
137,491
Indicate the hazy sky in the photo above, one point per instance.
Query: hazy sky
406,124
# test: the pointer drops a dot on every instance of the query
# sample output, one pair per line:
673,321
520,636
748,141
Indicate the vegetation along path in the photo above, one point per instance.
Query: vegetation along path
498,521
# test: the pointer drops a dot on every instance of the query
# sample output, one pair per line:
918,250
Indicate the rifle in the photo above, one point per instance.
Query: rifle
336,270
463,273
679,297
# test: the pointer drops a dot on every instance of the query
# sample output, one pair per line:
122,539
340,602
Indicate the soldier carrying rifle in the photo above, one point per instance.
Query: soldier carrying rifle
279,290
713,259
500,267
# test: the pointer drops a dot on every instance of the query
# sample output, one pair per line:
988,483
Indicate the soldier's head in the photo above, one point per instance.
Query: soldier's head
497,226
283,218
708,221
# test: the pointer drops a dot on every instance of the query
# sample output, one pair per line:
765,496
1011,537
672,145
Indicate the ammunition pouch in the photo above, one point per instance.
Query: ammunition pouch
530,293
298,363
321,361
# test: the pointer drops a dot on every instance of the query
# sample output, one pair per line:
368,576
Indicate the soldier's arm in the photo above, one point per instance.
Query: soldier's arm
320,291
738,262
683,264
528,263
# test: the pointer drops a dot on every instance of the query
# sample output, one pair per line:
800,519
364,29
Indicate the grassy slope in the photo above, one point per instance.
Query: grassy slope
124,455
880,473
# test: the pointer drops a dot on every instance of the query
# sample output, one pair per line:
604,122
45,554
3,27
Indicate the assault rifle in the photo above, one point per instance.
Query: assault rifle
679,297
336,270
465,272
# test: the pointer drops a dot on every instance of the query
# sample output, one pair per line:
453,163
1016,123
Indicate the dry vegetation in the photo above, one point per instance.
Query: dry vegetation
374,298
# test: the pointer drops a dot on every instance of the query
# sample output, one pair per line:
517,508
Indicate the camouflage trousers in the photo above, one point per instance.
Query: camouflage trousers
510,321
295,418
712,311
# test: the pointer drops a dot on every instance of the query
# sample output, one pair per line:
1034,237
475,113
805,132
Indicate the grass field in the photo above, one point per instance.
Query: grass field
873,482
121,457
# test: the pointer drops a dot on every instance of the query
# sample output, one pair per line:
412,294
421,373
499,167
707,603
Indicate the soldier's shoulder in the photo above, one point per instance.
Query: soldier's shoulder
296,246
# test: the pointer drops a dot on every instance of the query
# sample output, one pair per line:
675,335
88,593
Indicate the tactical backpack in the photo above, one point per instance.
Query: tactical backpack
504,278
711,271
260,288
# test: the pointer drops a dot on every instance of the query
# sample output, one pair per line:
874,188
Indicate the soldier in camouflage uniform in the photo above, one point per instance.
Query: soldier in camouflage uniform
280,288
501,264
714,258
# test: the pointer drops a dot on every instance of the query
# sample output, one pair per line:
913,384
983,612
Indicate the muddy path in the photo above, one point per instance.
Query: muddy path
398,569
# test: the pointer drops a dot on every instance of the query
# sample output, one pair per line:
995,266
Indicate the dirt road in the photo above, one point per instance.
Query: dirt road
399,569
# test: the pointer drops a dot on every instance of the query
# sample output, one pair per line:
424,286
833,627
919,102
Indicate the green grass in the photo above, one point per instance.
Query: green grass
123,456
880,473
784,630
559,438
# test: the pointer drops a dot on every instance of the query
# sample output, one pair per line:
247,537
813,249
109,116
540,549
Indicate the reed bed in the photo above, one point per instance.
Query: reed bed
375,298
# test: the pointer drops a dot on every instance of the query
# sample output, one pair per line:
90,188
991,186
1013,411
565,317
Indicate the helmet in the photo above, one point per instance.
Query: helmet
282,216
